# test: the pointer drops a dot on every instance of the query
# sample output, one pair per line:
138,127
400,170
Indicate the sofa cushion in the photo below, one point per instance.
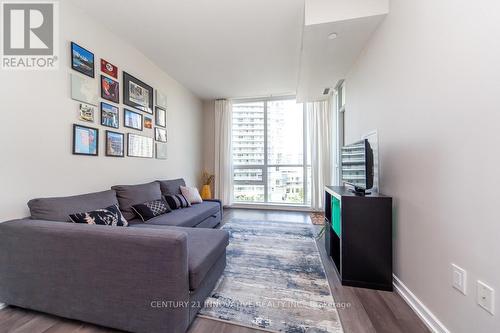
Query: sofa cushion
186,217
59,208
129,195
104,216
171,186
205,247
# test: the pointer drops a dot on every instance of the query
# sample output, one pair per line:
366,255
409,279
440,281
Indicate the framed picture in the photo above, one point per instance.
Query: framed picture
132,119
139,146
161,99
110,89
161,117
84,89
115,144
109,115
85,140
137,94
109,68
148,122
82,60
87,112
161,151
160,134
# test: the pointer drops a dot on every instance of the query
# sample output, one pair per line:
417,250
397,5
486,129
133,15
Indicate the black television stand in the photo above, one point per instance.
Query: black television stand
358,237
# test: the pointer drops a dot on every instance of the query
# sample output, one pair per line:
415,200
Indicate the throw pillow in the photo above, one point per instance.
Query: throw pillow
150,209
176,201
191,194
105,216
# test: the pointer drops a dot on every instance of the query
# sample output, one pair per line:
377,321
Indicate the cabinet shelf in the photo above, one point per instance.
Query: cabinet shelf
359,237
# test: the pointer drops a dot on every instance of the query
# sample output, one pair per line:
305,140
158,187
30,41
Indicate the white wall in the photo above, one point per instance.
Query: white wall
38,113
429,82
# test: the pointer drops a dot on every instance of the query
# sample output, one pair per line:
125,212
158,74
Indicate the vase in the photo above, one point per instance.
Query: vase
206,193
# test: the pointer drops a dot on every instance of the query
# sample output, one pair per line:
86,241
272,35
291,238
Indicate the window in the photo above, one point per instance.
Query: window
269,160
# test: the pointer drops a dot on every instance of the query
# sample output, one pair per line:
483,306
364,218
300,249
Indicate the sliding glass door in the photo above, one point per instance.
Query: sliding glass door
269,160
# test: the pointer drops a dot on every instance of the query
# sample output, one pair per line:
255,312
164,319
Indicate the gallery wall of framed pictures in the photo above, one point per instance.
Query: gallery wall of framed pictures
143,131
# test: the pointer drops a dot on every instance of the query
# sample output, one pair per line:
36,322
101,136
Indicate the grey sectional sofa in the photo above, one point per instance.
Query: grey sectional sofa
148,277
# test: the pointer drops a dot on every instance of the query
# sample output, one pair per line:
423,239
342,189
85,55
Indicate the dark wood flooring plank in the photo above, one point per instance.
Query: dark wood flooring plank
16,320
40,322
64,326
89,328
380,314
408,319
6,313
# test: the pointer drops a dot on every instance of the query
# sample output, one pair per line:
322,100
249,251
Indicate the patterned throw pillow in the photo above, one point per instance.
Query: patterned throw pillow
150,209
176,201
105,216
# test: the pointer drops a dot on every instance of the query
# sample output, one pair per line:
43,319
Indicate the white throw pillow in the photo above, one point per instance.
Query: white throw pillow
191,194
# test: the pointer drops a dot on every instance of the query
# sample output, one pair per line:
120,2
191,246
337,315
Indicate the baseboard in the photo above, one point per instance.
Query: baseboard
430,320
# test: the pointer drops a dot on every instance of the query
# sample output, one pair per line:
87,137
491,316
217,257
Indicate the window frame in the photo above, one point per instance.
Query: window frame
265,166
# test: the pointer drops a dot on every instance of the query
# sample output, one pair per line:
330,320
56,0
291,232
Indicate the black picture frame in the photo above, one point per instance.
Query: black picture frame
108,150
125,111
158,134
113,96
105,120
96,139
77,62
129,100
160,120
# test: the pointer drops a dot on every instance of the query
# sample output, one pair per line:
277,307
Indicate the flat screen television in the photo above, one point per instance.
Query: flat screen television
357,166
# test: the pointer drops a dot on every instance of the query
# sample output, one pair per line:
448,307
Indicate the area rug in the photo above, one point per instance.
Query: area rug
274,280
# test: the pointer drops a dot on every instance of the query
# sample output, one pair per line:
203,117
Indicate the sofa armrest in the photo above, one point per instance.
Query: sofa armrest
132,279
220,203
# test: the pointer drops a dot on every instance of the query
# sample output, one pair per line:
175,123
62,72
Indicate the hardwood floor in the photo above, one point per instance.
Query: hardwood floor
368,311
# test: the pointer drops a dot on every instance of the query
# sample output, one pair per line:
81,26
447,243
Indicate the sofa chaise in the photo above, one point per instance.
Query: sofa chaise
147,277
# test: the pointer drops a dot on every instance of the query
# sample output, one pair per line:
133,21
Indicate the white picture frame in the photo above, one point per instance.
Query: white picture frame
160,99
161,151
84,89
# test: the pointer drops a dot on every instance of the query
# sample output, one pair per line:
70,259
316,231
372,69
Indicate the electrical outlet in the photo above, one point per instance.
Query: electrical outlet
459,279
486,297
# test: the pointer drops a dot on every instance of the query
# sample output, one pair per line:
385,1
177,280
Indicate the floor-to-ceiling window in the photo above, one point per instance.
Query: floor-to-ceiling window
269,152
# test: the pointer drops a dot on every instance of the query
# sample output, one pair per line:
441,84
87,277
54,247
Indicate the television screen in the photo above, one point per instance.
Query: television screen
357,165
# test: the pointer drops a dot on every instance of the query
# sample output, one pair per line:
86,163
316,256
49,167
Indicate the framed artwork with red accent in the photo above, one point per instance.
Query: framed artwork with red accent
109,68
110,89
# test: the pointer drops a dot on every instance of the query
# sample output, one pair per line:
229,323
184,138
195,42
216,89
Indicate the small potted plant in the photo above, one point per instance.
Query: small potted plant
207,180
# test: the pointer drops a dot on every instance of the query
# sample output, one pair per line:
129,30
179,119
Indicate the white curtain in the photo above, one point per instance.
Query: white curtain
223,186
319,126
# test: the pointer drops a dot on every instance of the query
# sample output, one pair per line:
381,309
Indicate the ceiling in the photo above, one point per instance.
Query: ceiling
223,48
324,62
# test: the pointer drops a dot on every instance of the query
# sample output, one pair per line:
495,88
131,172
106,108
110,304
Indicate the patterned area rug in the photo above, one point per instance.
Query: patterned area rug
274,280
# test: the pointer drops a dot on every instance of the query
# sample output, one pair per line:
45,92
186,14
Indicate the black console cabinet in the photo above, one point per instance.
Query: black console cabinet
359,237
